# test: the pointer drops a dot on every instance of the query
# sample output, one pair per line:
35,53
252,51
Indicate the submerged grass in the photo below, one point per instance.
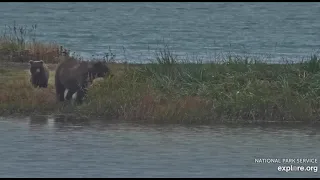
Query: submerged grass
236,90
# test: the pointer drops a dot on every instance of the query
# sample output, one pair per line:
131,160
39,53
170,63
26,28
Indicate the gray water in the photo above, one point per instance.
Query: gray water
205,31
41,146
64,147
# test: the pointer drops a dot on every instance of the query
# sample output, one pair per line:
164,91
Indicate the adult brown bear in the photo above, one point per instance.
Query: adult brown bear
39,74
75,76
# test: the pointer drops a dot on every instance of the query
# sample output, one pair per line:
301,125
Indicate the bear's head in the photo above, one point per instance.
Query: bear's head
98,69
36,67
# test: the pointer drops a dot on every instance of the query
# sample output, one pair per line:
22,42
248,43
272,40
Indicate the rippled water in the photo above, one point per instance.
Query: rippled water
133,30
65,147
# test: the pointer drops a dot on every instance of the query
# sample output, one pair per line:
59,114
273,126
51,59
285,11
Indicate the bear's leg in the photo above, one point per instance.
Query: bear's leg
74,98
44,85
46,82
81,93
69,94
59,90
37,84
65,93
60,93
80,96
34,82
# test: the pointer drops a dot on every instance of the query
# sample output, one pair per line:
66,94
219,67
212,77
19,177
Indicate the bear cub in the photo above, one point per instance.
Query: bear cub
39,74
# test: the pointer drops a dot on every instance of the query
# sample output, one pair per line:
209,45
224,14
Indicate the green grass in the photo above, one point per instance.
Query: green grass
19,44
183,93
211,92
168,90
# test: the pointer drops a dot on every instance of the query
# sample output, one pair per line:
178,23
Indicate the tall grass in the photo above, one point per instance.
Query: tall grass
241,90
20,44
185,93
169,89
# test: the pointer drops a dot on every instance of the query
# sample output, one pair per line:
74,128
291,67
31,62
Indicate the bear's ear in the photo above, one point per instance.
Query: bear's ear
31,61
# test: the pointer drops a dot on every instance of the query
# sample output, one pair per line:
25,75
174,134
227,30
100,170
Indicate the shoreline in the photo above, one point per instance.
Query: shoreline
168,89
154,107
81,117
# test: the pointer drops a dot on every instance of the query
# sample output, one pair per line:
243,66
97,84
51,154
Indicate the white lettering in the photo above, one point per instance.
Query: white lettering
289,160
298,168
267,161
313,161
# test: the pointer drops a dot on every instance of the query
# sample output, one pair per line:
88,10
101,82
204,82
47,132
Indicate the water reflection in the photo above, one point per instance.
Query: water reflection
71,123
68,122
38,121
69,146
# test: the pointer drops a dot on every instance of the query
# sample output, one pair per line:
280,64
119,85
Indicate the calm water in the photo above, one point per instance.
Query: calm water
62,147
133,31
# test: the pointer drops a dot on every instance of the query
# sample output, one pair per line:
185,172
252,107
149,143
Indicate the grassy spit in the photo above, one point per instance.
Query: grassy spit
237,90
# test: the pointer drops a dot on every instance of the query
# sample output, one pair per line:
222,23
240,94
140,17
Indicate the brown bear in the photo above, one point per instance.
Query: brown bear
39,74
75,76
